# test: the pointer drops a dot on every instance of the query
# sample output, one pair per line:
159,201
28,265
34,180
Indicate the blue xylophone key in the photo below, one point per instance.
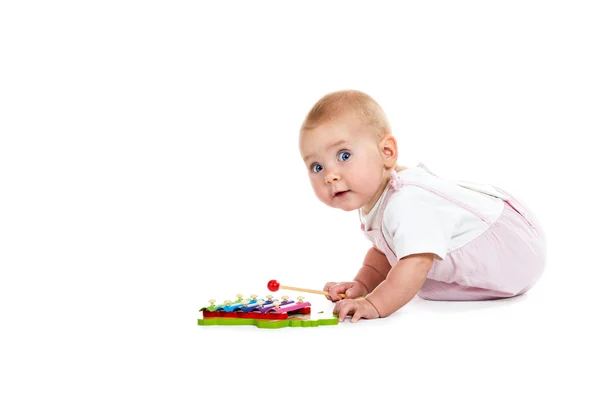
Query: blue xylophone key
239,306
250,307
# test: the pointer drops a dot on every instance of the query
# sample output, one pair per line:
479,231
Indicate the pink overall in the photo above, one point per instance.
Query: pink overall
504,261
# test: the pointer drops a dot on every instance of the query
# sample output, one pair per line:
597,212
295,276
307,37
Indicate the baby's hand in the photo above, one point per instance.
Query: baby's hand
358,308
351,290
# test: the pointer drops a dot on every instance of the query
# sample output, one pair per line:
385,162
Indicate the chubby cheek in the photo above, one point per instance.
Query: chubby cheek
365,178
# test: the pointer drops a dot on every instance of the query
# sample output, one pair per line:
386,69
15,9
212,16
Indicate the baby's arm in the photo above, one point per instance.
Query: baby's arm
402,283
374,270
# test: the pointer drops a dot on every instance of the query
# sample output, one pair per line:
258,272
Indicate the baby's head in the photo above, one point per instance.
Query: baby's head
349,151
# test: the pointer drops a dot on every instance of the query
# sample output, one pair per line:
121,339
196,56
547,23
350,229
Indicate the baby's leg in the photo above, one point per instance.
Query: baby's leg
442,291
504,261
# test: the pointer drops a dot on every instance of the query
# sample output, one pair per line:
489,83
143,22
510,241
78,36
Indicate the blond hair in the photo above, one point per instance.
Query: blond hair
335,104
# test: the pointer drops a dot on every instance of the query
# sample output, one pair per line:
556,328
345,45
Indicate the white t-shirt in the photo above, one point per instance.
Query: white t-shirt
417,220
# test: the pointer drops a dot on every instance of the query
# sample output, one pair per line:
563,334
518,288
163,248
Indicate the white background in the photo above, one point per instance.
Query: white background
149,162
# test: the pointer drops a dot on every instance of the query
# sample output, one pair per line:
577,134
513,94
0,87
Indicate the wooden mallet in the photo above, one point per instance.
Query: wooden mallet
274,286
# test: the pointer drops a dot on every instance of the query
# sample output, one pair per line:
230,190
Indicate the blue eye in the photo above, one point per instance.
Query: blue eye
343,156
316,168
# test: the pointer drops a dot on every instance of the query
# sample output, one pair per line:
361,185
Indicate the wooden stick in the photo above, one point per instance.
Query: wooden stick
308,290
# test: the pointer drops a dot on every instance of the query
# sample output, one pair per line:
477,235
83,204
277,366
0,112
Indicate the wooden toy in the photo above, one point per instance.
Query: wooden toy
274,286
271,313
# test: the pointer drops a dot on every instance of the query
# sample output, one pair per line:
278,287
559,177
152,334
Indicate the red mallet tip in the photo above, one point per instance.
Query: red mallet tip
273,285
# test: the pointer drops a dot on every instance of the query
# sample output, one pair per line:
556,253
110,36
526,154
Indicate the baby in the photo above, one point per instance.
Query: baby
432,237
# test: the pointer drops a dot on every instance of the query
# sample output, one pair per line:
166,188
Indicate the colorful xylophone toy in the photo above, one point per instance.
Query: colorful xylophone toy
269,313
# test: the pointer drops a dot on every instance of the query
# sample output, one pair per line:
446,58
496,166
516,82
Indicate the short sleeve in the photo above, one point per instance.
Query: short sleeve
418,221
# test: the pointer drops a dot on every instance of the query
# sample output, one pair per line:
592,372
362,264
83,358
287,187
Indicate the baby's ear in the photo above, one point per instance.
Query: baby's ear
389,150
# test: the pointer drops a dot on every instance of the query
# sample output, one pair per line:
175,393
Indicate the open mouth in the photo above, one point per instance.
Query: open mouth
340,194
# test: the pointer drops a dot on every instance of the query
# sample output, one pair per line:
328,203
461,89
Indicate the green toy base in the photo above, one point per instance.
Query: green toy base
304,321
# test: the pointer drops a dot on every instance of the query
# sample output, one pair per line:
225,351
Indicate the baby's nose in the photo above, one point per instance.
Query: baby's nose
332,177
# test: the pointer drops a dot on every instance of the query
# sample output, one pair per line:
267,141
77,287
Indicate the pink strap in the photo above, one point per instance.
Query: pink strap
396,183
